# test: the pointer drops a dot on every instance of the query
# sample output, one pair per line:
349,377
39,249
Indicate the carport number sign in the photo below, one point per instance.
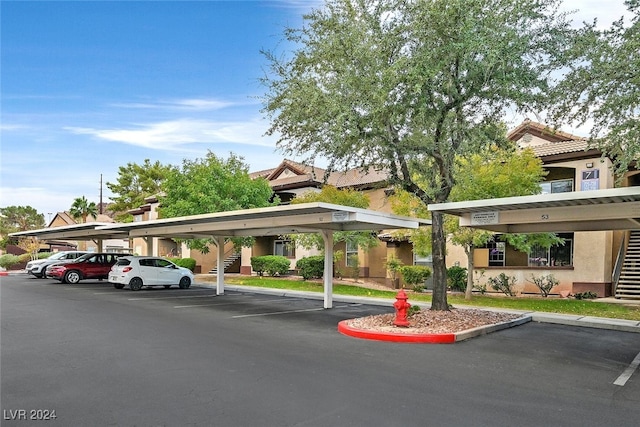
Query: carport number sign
339,216
484,218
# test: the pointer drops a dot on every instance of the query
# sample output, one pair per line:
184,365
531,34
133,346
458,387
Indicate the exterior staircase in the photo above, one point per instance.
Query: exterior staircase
629,281
227,262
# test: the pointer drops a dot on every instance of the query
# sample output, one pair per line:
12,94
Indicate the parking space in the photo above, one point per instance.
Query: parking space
101,356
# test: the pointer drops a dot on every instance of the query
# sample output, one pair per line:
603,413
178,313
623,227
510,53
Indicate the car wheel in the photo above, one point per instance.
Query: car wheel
135,284
167,286
118,285
185,282
72,277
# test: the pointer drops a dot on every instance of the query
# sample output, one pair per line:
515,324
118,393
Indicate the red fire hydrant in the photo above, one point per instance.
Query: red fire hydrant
402,309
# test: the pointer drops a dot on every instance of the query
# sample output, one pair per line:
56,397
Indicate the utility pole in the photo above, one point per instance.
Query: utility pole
100,209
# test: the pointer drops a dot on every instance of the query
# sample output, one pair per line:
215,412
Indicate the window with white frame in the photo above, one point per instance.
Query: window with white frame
352,254
284,248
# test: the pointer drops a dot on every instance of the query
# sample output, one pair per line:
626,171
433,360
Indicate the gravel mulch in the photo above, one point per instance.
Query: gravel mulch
432,322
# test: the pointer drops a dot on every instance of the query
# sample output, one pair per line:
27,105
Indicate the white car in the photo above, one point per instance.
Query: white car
139,271
37,267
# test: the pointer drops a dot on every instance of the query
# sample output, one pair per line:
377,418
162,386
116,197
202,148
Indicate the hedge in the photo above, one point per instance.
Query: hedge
273,265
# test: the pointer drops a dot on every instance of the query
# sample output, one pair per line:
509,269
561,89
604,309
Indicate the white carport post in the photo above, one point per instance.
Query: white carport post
327,236
219,242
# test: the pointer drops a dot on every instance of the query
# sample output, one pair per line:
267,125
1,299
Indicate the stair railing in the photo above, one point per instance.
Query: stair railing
617,269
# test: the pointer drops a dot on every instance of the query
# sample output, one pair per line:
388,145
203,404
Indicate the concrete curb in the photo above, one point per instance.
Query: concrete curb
527,316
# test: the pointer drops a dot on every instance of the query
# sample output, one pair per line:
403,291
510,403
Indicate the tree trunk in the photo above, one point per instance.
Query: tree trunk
469,290
439,243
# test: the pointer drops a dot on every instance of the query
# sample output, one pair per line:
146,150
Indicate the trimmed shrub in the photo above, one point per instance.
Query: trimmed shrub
415,276
189,263
311,267
504,284
544,283
273,265
457,278
7,260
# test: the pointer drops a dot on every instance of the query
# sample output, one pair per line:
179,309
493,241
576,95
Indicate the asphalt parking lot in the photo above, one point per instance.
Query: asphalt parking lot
98,356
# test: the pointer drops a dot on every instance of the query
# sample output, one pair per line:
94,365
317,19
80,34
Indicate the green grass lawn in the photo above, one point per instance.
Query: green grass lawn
549,305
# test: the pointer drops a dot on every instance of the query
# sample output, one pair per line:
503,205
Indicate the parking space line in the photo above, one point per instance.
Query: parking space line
284,312
624,377
231,303
176,297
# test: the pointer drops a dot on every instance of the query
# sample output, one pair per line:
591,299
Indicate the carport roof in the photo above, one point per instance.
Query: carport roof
270,221
84,231
610,209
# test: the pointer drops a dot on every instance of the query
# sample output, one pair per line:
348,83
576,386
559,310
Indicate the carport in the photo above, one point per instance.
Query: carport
323,218
84,231
597,210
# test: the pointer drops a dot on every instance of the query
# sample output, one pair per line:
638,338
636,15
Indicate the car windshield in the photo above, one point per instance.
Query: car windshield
58,255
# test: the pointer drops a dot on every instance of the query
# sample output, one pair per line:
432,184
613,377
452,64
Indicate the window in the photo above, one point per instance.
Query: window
496,253
284,248
352,254
555,256
557,186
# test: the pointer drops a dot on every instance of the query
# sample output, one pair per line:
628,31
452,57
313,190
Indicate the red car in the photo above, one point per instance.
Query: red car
89,266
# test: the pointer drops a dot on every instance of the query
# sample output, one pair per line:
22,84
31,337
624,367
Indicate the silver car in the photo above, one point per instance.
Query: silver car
37,267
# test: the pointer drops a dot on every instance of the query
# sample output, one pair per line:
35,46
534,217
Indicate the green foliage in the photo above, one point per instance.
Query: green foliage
354,266
311,267
18,218
457,278
273,265
135,183
504,284
393,265
189,263
346,197
585,295
406,87
544,283
415,275
413,310
602,85
330,194
82,209
8,260
211,185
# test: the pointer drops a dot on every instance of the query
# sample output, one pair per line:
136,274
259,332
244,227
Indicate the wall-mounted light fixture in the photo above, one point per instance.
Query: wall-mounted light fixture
590,164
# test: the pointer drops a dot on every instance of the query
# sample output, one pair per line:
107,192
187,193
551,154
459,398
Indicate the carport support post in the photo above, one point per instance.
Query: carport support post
219,242
327,236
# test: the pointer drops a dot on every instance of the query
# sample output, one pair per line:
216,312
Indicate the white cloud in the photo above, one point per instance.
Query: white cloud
170,135
192,104
605,11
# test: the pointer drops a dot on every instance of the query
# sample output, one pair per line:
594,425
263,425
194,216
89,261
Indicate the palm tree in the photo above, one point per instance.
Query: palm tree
81,208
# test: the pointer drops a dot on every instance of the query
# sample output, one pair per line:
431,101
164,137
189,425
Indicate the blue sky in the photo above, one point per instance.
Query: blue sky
88,86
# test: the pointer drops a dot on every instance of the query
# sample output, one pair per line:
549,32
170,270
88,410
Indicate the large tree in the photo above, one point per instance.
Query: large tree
602,86
18,218
406,85
81,208
212,184
135,183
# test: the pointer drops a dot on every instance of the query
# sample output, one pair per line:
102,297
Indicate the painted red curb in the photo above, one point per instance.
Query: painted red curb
400,337
4,273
